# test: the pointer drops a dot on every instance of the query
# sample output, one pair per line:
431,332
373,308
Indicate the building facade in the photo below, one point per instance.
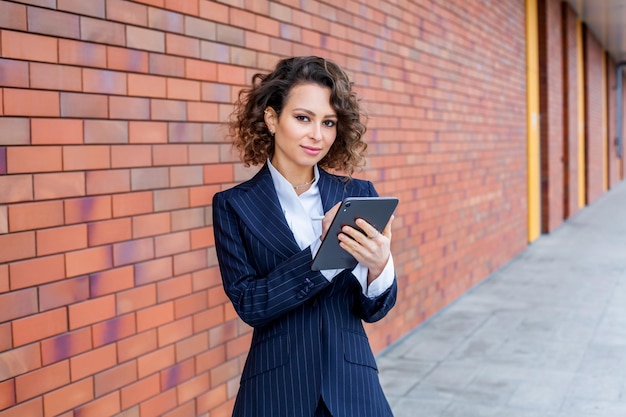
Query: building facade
492,121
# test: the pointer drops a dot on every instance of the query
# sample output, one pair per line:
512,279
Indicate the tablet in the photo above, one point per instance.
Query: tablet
375,210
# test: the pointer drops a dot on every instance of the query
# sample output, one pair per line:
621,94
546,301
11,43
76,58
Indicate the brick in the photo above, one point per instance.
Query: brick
200,28
104,81
107,181
165,20
93,8
155,361
59,185
79,53
39,326
28,47
36,271
106,131
91,311
140,391
210,359
130,156
194,387
135,299
31,103
181,89
167,65
182,410
127,12
168,110
33,408
87,209
52,22
55,77
5,339
124,59
63,293
17,304
137,345
106,405
38,215
102,31
151,225
201,196
218,173
114,329
62,239
14,131
42,380
4,279
86,157
12,16
202,112
224,372
16,188
153,271
202,238
145,39
190,304
196,69
7,394
133,251
176,374
129,108
17,246
173,288
173,154
155,316
108,231
4,220
182,46
149,178
131,204
188,219
211,399
191,346
111,281
172,243
214,51
20,360
88,260
148,132
208,318
207,278
57,131
65,346
190,261
114,378
13,73
189,7
146,85
21,160
173,199
68,397
175,331
93,362
81,105
230,74
184,132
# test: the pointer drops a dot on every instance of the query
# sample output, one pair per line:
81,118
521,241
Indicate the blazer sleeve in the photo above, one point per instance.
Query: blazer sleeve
260,298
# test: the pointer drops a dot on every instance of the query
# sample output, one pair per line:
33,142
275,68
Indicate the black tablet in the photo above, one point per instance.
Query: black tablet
375,210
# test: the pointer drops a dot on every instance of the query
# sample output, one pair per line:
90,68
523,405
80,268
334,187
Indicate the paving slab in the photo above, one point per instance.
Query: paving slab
544,336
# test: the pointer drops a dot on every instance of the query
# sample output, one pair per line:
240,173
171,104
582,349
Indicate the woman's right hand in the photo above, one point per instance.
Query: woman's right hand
328,219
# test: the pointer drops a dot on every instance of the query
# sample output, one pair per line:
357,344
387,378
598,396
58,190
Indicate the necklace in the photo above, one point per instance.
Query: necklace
304,184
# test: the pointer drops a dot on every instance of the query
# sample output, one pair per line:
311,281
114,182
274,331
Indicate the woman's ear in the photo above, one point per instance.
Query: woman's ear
270,119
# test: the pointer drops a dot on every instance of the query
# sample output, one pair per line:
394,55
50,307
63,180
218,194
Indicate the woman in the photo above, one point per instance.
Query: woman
309,355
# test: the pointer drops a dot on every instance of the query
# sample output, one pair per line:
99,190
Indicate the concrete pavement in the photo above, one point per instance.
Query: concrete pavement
544,336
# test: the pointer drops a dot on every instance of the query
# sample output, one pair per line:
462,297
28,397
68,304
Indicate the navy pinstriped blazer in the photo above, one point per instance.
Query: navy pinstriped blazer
308,338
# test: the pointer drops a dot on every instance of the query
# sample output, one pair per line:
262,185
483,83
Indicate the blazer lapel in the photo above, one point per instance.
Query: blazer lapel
261,211
332,190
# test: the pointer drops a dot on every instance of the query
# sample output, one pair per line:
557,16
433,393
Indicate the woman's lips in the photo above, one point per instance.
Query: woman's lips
311,151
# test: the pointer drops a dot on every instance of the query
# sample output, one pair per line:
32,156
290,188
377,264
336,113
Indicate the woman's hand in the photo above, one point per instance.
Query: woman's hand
370,248
328,219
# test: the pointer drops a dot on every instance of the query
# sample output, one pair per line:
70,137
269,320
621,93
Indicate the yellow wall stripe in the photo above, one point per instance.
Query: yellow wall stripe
532,76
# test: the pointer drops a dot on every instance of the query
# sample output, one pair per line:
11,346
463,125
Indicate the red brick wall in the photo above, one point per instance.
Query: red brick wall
551,109
570,116
111,150
594,127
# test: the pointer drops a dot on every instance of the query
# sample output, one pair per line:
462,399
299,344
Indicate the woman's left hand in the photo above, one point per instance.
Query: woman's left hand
369,248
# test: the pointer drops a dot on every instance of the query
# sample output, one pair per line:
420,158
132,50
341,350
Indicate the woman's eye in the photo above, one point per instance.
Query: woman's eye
302,118
330,123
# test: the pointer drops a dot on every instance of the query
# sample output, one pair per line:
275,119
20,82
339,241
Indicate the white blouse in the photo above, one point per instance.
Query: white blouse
299,212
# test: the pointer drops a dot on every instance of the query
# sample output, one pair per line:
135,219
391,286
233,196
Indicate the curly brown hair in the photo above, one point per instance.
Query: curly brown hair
250,135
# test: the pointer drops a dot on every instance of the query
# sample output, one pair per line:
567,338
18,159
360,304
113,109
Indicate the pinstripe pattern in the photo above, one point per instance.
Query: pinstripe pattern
308,337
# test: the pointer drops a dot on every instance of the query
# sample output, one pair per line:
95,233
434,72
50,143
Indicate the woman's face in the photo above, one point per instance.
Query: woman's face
305,131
